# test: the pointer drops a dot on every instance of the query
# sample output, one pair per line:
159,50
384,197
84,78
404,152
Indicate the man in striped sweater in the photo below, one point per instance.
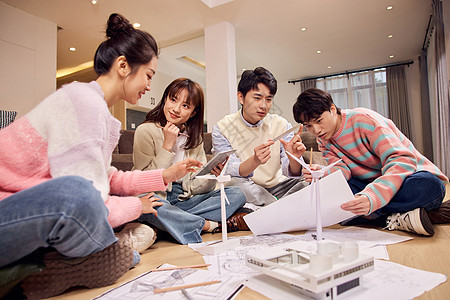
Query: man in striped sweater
395,186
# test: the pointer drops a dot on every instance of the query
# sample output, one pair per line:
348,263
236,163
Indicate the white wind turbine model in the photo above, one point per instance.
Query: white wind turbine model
316,175
225,244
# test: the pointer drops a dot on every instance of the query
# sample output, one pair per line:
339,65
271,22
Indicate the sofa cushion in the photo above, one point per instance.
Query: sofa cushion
126,142
122,162
207,143
7,117
309,140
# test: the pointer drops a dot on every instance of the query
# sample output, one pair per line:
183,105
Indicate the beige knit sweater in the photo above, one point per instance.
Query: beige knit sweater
149,154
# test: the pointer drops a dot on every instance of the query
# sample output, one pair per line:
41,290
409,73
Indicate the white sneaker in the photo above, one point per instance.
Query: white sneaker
140,236
416,221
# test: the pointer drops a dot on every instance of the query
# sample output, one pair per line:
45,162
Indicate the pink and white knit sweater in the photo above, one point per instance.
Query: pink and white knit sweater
72,132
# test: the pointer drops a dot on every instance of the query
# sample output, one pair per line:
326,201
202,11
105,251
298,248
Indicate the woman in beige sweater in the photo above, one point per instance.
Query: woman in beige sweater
173,131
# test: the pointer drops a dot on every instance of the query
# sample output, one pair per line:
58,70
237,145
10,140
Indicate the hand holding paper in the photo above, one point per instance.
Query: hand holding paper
359,206
296,211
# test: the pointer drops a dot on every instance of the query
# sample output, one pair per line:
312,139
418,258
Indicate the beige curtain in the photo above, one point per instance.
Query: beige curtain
398,98
442,157
425,107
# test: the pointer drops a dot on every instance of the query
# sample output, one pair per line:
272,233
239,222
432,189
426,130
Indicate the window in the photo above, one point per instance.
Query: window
363,89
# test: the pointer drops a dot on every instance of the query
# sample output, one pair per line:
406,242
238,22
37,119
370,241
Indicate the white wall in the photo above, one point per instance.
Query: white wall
28,59
158,85
284,100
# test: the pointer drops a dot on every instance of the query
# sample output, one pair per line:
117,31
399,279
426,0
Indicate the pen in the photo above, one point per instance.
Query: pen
181,267
186,286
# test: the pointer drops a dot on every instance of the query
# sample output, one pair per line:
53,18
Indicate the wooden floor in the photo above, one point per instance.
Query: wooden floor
425,253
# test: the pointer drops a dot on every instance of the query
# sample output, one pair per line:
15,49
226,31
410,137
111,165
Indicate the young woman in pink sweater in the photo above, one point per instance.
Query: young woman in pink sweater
57,188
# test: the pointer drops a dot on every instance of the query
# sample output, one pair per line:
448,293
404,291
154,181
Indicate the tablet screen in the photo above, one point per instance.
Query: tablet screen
213,162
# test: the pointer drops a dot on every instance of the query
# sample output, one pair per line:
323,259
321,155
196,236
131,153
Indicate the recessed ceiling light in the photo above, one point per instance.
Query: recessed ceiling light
303,29
73,49
243,69
319,51
94,2
329,67
136,25
390,7
391,56
390,36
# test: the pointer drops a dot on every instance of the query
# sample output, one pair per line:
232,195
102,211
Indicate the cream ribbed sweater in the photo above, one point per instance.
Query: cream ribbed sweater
244,139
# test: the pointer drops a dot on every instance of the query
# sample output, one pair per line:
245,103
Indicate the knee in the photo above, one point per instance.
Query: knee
236,194
77,194
424,180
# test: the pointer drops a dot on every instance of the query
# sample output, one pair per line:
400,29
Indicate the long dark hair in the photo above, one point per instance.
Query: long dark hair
194,126
138,46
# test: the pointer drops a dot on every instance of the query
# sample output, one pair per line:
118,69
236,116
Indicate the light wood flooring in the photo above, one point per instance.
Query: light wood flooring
425,253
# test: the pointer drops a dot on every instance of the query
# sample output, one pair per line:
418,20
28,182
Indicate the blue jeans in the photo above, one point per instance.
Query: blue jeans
184,220
421,189
66,213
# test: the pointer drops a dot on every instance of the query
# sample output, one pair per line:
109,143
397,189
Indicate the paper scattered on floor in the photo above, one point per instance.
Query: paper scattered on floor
142,287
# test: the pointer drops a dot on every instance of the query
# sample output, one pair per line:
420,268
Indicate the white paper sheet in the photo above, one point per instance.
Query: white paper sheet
297,211
365,237
388,281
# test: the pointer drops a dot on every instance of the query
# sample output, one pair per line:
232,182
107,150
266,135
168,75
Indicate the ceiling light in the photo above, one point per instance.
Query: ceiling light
319,51
391,56
390,7
390,36
136,25
329,67
303,29
73,49
94,2
214,3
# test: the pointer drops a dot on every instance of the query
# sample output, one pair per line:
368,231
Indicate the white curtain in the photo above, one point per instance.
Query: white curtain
307,84
363,89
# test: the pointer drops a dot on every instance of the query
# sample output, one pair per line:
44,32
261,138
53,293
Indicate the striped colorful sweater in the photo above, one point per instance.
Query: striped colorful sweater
72,132
373,149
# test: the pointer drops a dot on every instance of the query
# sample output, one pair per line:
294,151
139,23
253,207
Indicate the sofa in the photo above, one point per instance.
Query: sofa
122,157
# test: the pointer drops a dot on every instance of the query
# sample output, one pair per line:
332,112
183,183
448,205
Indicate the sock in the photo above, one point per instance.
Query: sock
212,225
136,258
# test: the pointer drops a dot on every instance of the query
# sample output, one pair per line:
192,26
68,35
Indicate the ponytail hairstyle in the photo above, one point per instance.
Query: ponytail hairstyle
193,126
138,46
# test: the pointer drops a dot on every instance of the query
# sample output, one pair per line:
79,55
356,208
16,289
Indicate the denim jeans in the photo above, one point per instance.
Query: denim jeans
184,220
66,213
421,189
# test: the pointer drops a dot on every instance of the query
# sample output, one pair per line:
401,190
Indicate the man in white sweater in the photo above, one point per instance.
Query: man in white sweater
260,167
